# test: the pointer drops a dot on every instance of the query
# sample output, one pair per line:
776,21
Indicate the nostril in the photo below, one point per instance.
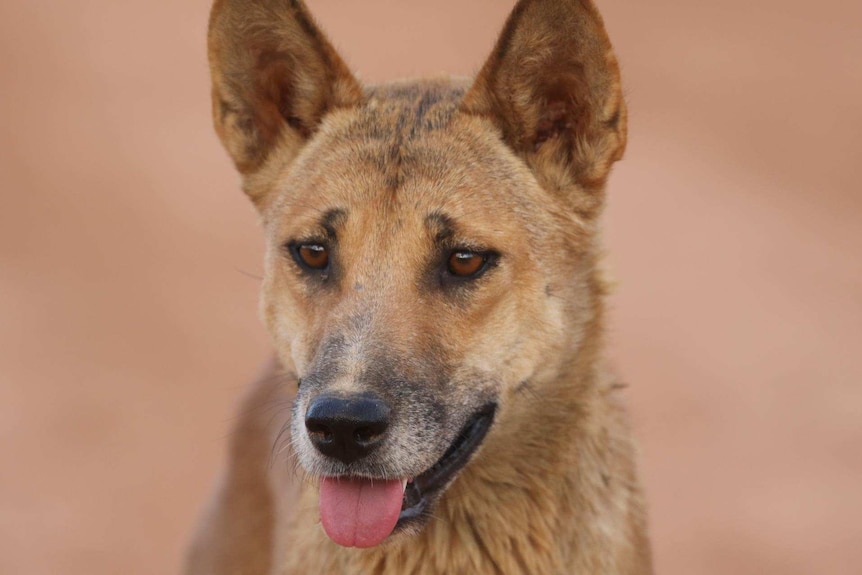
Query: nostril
318,430
369,434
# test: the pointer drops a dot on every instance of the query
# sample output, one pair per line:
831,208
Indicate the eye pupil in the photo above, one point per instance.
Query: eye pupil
465,264
314,256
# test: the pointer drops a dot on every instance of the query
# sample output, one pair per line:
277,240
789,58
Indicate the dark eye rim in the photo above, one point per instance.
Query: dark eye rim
294,246
490,258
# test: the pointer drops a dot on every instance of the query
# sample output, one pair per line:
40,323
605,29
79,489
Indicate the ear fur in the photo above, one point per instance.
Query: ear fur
274,76
552,87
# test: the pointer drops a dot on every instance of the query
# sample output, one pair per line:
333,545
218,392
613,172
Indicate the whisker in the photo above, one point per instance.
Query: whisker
248,274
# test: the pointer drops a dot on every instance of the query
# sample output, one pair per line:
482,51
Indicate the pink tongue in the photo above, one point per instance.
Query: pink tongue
359,512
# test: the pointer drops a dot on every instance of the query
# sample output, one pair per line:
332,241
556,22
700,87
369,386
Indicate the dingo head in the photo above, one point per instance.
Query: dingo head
431,245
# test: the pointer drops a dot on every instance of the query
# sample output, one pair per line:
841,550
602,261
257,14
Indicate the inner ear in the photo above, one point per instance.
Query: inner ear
560,115
277,87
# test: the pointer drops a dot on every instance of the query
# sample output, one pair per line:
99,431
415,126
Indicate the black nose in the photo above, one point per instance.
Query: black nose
347,427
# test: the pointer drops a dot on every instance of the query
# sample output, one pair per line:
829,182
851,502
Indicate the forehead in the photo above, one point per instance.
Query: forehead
406,151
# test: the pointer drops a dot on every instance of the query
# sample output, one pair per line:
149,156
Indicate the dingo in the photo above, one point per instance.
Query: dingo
434,296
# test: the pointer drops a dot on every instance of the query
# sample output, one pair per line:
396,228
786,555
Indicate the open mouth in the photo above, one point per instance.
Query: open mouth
420,490
362,512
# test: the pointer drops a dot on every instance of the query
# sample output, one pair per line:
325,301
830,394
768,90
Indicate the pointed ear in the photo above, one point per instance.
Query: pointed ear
552,87
274,76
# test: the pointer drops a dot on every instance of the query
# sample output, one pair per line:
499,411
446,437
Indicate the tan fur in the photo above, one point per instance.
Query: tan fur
517,160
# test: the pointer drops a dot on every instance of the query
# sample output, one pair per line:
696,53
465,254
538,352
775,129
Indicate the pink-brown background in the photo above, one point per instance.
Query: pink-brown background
128,323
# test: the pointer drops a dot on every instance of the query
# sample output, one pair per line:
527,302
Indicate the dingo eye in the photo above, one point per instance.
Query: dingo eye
312,256
465,264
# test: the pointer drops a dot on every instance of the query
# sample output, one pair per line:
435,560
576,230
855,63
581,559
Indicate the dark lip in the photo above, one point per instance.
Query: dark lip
421,491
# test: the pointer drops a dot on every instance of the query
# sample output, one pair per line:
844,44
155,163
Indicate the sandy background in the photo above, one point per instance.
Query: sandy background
128,323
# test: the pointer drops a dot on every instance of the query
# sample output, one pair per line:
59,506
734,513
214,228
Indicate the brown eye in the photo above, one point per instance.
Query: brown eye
465,264
314,256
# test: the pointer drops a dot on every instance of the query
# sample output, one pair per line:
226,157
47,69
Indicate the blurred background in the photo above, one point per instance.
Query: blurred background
129,258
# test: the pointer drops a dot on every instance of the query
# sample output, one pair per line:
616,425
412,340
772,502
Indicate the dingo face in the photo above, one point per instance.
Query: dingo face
431,246
410,258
